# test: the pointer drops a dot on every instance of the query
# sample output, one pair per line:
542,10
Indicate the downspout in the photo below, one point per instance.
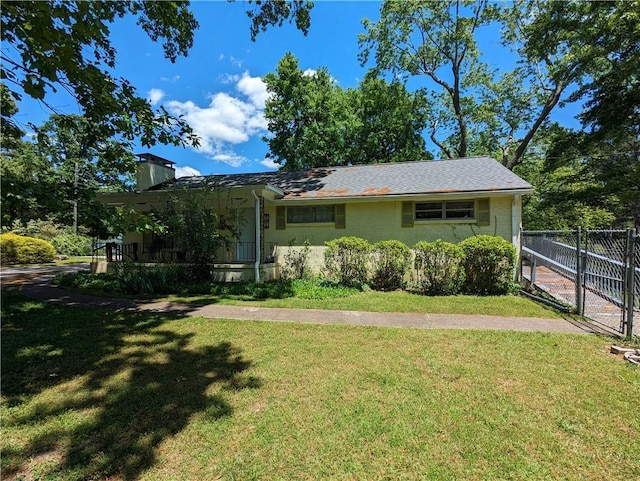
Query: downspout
256,265
515,221
515,233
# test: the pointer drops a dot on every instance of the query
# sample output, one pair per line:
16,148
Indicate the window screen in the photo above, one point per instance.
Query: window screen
310,214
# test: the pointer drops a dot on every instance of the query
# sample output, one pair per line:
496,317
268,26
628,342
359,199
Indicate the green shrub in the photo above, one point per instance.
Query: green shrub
489,264
17,249
439,266
346,260
160,279
296,262
45,229
391,259
87,280
72,245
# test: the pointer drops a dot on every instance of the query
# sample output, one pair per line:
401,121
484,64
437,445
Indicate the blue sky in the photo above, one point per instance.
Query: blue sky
218,87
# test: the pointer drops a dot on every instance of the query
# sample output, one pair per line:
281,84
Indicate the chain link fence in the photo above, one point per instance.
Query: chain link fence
594,272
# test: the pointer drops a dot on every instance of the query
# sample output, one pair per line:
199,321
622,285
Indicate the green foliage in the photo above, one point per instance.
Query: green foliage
347,260
489,264
296,262
10,133
46,229
276,13
191,218
315,123
16,249
66,46
157,279
87,280
320,289
476,109
577,185
29,184
64,241
391,260
72,244
439,267
307,117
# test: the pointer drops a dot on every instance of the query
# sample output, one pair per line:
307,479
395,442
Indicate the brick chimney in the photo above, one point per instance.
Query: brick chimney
152,170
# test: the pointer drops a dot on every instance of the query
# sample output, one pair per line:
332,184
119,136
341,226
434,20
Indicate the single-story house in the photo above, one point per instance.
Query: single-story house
409,201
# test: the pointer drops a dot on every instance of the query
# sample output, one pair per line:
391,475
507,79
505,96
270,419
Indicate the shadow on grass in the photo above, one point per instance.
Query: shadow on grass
109,388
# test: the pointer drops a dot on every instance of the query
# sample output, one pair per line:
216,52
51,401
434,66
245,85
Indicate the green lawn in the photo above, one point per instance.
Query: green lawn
398,301
314,294
90,394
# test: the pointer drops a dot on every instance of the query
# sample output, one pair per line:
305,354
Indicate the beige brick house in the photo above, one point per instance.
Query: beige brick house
410,201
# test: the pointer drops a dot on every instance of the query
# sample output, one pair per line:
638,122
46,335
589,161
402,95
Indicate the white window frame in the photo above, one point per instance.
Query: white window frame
441,206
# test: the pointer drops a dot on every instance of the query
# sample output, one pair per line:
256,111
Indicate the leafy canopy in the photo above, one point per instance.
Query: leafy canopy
57,45
313,122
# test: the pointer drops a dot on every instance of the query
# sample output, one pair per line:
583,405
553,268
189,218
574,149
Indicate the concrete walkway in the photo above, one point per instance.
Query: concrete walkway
40,288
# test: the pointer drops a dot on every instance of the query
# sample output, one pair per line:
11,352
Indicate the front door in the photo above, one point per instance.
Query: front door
246,242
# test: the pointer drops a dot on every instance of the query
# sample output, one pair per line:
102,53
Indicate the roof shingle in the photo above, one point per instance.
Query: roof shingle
474,174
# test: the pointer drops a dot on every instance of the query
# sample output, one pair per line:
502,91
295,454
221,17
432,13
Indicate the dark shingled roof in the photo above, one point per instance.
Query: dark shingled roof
474,174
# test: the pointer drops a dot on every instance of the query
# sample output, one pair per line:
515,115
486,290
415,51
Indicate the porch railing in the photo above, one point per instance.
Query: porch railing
235,252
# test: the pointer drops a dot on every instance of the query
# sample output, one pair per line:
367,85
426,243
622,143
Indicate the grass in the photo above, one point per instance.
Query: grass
397,301
315,294
90,394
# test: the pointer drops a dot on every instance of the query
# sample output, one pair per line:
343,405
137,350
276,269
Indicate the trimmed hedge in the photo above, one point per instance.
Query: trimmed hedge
489,264
391,261
347,260
17,249
439,266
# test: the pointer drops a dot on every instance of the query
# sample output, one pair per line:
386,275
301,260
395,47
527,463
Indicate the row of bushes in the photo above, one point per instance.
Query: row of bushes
482,265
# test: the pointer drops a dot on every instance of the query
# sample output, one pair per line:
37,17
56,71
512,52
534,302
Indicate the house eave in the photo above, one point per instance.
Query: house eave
148,196
407,196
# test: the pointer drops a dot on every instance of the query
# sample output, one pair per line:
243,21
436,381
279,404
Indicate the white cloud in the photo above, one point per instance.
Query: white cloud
228,120
314,73
230,157
155,96
171,80
254,88
186,171
270,164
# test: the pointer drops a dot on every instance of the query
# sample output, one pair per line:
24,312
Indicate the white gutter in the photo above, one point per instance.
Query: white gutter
256,265
515,221
515,234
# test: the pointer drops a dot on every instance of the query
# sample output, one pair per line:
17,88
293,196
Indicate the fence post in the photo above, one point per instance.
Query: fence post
630,280
579,291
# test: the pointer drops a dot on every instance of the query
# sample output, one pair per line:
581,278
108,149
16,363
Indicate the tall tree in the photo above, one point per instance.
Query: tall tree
30,186
475,110
435,39
308,117
10,133
83,163
605,40
313,122
390,124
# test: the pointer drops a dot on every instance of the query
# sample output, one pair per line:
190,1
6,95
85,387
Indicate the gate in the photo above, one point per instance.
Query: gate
594,272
